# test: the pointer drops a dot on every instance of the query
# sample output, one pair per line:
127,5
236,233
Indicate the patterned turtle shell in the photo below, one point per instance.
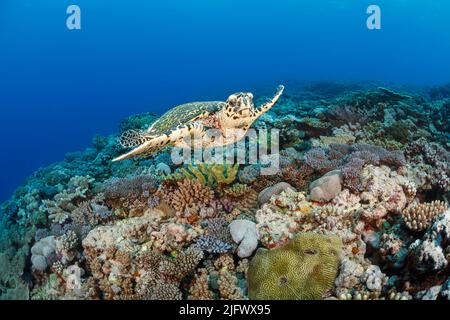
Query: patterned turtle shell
184,114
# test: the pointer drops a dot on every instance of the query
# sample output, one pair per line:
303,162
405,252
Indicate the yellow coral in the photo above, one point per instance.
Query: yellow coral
303,269
325,141
212,175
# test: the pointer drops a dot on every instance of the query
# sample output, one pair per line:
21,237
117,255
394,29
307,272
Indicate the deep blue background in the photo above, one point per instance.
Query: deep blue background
58,87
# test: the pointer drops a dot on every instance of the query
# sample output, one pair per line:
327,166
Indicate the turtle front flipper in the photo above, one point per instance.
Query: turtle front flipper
267,106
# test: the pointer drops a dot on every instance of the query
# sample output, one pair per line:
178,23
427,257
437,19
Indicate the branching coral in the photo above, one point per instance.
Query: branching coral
59,208
343,114
186,197
199,289
418,217
228,287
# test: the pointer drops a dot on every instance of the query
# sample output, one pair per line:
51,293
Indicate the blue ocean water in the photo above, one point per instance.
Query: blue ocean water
58,88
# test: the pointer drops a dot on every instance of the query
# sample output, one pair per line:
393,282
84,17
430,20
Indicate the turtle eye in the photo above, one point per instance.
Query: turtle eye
232,99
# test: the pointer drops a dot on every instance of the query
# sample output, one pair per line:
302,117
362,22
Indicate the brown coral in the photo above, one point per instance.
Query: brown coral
243,197
419,217
186,197
228,286
199,289
185,263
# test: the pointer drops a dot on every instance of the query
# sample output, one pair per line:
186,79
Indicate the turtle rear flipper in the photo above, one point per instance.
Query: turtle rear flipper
134,138
146,148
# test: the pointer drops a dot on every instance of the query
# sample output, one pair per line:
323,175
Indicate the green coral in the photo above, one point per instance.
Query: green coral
213,175
14,250
303,269
399,131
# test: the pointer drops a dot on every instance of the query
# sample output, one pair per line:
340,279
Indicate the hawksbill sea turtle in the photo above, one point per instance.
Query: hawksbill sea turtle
230,120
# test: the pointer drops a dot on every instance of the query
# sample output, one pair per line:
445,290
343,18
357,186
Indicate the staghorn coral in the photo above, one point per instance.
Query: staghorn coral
302,269
418,217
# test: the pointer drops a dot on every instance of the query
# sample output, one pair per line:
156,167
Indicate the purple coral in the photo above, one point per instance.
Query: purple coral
129,187
319,161
351,159
390,158
435,156
351,173
345,114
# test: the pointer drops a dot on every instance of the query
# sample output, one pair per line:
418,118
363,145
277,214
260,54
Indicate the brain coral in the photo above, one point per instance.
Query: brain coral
303,269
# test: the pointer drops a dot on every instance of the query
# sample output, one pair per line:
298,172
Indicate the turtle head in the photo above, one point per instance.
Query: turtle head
241,103
238,112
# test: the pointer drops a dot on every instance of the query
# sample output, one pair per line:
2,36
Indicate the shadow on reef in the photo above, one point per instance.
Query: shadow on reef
366,167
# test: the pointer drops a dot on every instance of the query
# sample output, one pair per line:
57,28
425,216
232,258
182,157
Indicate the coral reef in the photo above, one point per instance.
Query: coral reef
357,210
